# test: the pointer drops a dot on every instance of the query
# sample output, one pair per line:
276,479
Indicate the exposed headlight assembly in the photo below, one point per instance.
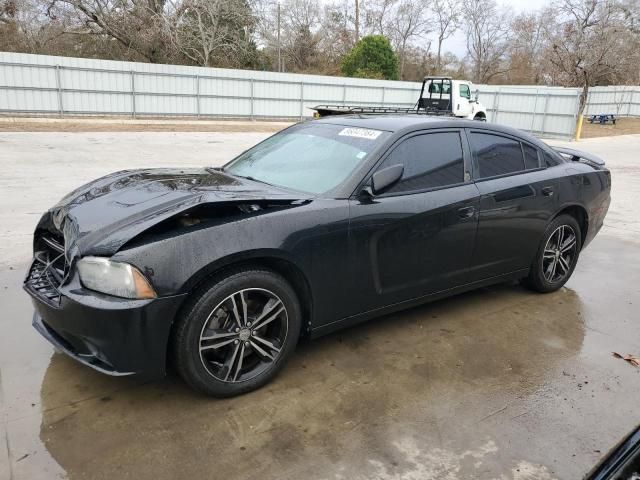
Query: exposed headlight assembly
114,278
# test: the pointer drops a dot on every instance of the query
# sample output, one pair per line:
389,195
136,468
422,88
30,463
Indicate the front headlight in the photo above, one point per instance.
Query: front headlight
114,278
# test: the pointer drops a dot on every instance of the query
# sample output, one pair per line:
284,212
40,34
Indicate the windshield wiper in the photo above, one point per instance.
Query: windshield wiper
222,170
249,177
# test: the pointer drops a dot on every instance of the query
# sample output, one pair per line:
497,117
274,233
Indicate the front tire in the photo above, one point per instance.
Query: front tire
237,332
557,255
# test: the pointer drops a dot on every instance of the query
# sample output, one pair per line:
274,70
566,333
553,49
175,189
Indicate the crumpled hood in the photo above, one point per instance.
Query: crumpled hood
101,216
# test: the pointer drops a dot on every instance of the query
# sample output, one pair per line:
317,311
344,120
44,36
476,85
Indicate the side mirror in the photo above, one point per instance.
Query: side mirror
386,178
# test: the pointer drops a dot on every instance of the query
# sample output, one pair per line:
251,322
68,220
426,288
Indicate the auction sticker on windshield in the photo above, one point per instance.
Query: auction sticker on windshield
360,133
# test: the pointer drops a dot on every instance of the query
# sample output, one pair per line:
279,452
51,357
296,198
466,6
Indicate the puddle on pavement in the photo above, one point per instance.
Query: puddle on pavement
468,380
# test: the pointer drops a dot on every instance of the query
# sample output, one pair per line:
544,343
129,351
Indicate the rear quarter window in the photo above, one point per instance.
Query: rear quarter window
530,157
551,160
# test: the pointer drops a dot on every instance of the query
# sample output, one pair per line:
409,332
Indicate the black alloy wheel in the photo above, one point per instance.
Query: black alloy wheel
559,252
243,335
236,332
557,255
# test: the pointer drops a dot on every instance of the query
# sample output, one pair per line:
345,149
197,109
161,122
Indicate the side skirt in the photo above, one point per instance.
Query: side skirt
396,307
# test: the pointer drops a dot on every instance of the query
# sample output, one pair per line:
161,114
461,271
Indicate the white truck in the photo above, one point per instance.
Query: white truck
438,96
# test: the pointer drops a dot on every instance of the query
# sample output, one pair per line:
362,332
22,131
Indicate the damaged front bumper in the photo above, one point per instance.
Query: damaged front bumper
112,335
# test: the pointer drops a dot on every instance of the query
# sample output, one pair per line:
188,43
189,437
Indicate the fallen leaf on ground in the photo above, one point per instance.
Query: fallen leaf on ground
635,361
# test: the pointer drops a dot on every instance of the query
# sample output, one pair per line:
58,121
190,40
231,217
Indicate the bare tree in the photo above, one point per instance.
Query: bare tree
588,45
9,11
301,19
525,50
267,29
301,33
26,26
212,32
407,23
446,13
487,31
138,25
336,37
631,13
571,43
376,16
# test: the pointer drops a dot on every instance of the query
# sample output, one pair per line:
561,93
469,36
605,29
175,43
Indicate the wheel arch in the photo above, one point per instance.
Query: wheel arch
581,215
273,260
480,115
267,259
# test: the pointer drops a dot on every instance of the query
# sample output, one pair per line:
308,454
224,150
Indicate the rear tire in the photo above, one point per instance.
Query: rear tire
557,255
237,332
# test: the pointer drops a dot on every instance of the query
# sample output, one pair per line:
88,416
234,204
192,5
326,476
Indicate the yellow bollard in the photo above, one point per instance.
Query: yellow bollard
579,127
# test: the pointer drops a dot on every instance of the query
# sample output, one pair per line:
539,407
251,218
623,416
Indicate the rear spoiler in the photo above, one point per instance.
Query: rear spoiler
580,156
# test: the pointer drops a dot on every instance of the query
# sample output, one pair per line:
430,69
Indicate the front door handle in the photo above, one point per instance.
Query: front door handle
547,191
466,212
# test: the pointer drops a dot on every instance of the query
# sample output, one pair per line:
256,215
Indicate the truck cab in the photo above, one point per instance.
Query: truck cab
444,95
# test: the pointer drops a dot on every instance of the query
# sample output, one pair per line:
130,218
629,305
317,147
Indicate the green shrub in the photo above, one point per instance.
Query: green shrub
372,57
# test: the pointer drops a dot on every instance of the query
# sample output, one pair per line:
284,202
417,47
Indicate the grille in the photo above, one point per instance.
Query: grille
48,270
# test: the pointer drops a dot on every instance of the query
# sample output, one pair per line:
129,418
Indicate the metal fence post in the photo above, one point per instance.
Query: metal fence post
496,106
631,92
59,88
251,99
383,90
544,113
133,94
301,100
198,96
533,115
344,94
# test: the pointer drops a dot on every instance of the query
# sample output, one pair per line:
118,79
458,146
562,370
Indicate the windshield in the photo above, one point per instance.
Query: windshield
311,157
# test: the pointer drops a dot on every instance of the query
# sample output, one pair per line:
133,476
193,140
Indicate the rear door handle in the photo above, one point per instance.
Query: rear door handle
466,212
547,191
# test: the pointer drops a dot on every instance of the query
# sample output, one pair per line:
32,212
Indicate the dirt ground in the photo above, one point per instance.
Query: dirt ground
129,125
623,126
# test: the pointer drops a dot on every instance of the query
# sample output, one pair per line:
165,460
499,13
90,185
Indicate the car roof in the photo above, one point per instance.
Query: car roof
390,123
407,123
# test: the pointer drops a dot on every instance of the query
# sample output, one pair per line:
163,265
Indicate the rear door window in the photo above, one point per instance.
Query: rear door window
430,160
496,155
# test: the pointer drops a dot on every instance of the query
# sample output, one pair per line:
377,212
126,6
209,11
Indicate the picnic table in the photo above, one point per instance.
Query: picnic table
603,118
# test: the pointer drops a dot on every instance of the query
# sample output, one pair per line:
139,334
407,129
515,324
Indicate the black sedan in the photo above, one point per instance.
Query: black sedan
328,223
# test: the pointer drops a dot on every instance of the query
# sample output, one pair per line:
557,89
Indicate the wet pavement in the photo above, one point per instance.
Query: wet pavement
498,383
